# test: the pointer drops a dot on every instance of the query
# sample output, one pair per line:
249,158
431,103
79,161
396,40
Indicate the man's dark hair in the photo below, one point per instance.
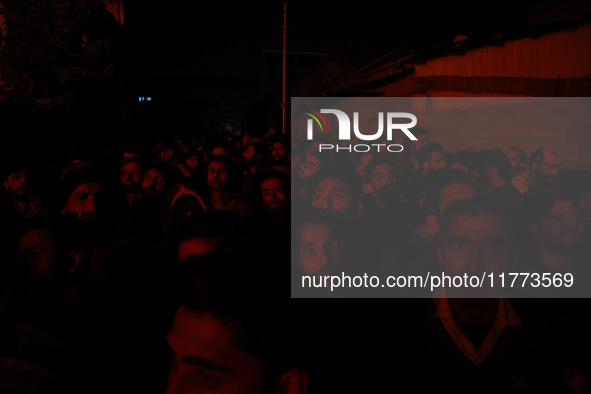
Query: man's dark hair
281,175
278,139
540,199
241,290
496,159
475,206
433,183
221,158
13,165
136,160
223,144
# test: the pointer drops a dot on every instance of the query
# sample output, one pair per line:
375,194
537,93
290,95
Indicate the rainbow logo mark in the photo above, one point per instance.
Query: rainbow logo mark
315,116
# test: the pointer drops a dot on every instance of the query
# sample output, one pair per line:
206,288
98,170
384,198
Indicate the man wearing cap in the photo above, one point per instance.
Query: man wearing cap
81,191
544,166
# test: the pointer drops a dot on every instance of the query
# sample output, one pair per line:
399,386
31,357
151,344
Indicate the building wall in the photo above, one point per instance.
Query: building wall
564,53
550,65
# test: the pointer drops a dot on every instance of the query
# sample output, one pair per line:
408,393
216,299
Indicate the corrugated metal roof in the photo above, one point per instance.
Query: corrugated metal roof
400,63
320,77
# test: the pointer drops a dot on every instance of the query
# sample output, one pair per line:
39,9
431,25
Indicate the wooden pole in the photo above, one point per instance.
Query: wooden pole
283,99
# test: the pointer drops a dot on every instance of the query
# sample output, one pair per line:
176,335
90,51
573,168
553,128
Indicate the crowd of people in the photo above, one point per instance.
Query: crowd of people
163,266
426,211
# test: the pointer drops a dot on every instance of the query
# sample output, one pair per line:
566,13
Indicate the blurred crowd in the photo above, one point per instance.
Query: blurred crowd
163,265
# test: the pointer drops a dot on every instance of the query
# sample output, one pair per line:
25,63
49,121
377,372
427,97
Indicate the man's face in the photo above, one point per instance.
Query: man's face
383,179
318,252
452,193
154,182
309,168
546,172
249,154
181,145
192,161
40,257
334,194
273,194
217,175
475,245
517,166
362,164
132,175
206,360
278,153
86,201
562,230
16,185
437,161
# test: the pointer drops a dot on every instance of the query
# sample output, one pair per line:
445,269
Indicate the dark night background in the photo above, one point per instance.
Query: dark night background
203,52
76,84
216,66
222,40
